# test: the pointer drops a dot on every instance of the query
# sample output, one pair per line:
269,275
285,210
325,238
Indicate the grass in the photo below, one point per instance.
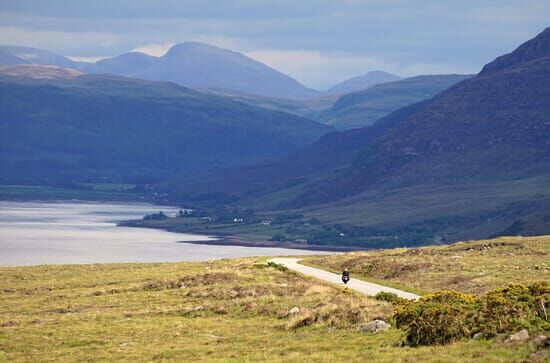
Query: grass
220,311
474,267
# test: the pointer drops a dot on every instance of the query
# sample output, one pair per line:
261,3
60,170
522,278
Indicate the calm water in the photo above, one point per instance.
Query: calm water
53,233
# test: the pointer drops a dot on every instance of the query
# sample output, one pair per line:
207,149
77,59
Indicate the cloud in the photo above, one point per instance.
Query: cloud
156,49
317,69
322,70
85,59
58,41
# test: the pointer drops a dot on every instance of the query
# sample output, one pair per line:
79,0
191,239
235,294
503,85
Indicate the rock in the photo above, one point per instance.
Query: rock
477,336
374,326
540,340
520,336
294,310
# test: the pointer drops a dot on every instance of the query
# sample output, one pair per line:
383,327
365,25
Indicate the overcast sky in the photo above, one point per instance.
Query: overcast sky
319,42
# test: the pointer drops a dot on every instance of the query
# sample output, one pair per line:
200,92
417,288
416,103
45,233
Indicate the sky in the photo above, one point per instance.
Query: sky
318,42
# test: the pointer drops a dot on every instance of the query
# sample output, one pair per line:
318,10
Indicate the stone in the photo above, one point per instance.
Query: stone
477,336
520,336
540,340
374,326
294,310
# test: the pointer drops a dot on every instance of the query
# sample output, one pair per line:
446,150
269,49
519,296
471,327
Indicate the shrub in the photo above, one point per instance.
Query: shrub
437,318
515,307
446,316
277,266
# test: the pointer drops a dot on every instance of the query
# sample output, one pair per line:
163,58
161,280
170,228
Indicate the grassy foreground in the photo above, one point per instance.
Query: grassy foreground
226,310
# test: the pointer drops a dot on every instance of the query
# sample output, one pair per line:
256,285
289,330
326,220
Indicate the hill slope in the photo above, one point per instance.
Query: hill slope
110,128
38,71
363,108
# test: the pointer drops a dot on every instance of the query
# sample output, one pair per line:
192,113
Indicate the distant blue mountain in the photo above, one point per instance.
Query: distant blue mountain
362,82
10,54
200,65
191,64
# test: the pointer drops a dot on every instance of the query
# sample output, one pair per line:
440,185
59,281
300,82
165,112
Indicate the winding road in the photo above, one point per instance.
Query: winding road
364,287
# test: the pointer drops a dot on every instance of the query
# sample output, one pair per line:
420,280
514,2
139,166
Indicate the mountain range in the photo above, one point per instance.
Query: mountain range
468,162
196,65
470,159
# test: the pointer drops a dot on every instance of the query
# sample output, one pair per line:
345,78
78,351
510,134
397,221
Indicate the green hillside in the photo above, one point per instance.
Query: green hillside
363,108
112,129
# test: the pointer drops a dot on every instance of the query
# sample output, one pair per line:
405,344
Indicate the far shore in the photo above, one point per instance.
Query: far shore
232,240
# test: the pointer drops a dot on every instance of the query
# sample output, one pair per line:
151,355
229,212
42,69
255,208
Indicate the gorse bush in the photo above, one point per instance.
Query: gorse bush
438,318
447,316
514,307
389,297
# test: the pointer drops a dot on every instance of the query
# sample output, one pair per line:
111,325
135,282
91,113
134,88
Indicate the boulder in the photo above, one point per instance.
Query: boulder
294,310
520,336
374,326
541,340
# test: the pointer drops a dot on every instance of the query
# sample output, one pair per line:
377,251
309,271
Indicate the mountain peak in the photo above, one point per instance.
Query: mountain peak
364,81
192,46
536,48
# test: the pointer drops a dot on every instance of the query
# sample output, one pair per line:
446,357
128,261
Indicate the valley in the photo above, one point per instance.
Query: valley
274,181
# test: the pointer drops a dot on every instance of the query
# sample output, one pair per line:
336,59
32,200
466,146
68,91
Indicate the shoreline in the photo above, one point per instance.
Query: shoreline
232,240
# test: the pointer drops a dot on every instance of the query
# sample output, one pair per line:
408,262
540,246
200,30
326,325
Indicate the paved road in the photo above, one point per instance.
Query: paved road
364,287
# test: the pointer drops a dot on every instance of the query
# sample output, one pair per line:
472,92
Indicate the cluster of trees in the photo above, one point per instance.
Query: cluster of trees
155,216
